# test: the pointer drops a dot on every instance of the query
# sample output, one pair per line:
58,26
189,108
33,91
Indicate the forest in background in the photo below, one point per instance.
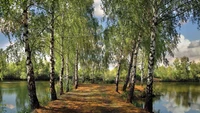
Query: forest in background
182,69
77,44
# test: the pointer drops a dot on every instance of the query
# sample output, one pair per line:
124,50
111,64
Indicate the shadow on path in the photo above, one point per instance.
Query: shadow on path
90,98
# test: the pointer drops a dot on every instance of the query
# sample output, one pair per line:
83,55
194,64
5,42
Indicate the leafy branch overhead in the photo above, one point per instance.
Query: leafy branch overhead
64,40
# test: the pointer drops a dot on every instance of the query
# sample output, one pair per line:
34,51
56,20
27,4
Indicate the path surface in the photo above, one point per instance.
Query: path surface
91,98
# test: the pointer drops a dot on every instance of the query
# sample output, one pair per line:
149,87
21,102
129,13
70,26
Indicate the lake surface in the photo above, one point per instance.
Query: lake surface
176,97
14,96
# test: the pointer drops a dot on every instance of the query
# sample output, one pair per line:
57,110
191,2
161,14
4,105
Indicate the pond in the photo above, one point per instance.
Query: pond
175,98
14,96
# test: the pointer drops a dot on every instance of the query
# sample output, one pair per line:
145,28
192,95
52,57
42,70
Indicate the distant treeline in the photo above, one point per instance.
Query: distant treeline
181,70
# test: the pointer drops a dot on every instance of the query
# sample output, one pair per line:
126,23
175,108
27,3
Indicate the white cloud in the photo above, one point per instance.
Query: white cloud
194,44
98,12
186,48
183,45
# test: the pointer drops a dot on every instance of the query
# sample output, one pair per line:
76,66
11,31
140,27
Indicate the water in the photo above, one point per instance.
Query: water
14,96
176,98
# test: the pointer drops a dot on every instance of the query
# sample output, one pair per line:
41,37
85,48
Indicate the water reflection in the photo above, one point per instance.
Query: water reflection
178,98
14,96
175,98
2,107
149,104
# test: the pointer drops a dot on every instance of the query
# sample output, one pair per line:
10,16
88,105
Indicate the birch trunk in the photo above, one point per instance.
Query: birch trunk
52,62
76,71
149,87
133,78
67,73
62,68
142,69
129,69
34,103
93,70
117,77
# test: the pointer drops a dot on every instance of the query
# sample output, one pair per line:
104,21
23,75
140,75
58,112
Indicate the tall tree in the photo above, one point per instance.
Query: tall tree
166,14
130,66
62,65
29,65
142,66
160,22
67,73
76,69
9,18
61,31
133,78
117,11
52,61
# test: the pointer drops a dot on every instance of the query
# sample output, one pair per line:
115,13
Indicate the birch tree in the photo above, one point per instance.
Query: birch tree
168,14
22,8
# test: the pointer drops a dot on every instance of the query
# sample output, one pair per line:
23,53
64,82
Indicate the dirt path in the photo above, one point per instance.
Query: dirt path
91,98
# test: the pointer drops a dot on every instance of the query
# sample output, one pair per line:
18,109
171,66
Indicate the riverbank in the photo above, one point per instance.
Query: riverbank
91,98
170,80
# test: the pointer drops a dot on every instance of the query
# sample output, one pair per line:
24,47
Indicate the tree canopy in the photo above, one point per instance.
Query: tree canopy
58,39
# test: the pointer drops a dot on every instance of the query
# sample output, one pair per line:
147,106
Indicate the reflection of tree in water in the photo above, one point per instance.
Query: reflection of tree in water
1,103
19,89
141,104
182,98
182,93
1,96
149,104
43,92
22,98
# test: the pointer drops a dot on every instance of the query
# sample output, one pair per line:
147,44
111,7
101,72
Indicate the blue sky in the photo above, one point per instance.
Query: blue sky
188,46
190,31
189,34
3,41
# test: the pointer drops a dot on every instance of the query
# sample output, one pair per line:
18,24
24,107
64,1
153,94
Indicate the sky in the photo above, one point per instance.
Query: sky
3,41
189,44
